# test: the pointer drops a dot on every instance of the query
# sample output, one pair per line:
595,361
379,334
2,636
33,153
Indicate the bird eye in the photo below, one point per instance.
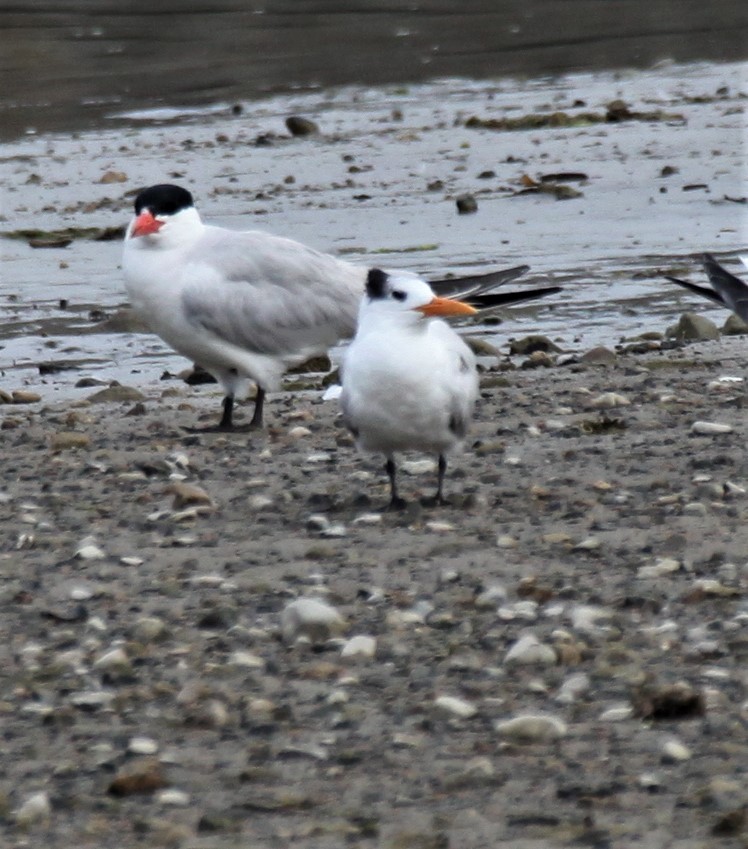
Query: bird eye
398,295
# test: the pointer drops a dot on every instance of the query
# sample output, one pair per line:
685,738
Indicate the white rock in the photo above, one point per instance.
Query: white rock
617,713
116,658
526,610
572,688
81,592
174,797
89,550
131,561
528,650
310,617
368,519
710,428
609,400
506,541
439,527
532,728
417,467
246,659
299,432
587,617
491,596
259,502
360,647
673,751
661,567
453,706
35,808
142,746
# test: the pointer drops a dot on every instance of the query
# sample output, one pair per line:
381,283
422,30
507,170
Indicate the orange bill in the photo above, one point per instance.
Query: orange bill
146,224
446,306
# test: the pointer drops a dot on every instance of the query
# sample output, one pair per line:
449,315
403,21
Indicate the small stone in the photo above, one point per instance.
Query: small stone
692,327
572,688
89,550
673,751
417,467
246,659
535,342
142,746
532,728
669,701
466,204
662,566
599,356
312,618
490,597
617,713
298,126
187,494
116,393
149,629
300,432
36,808
608,401
528,650
452,706
173,797
710,428
65,439
115,660
25,396
141,776
359,648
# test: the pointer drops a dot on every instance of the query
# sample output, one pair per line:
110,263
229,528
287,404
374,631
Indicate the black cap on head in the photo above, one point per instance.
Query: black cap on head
163,199
376,283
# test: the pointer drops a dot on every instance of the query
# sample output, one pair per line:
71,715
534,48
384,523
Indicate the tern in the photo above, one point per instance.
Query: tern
409,380
249,305
728,290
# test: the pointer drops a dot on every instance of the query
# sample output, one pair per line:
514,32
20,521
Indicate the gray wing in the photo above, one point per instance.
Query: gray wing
270,295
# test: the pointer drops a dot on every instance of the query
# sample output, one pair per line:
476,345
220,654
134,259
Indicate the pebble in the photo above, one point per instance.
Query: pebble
587,618
673,751
572,688
531,728
149,629
608,401
89,550
312,618
617,713
35,808
114,660
173,797
142,746
661,567
710,428
359,648
490,596
453,706
64,439
528,650
246,659
417,467
527,610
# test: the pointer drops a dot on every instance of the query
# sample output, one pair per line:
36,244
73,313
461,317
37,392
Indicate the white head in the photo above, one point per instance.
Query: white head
165,216
402,296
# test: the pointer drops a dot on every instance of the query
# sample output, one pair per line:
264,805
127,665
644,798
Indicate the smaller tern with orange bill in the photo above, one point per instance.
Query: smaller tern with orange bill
409,380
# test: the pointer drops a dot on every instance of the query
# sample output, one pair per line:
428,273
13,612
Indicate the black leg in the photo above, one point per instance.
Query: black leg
227,420
439,497
396,503
256,423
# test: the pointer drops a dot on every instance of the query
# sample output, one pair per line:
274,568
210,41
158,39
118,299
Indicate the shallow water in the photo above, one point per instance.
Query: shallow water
69,65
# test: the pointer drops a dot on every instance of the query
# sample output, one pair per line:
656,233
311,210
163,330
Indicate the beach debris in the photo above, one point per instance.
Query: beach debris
300,126
531,728
312,618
